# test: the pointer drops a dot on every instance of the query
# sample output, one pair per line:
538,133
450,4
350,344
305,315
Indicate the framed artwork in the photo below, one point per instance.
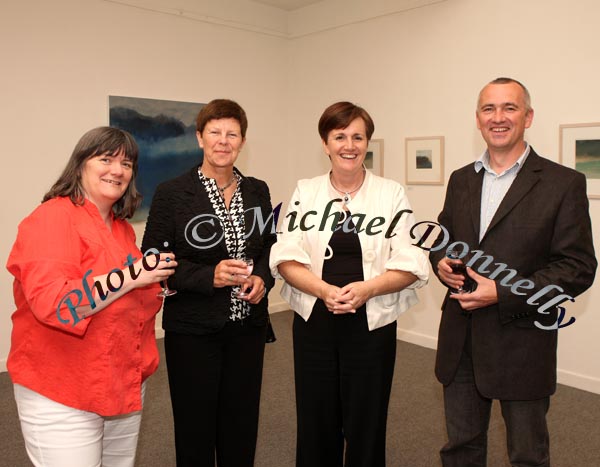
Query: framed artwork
579,145
425,160
165,132
374,158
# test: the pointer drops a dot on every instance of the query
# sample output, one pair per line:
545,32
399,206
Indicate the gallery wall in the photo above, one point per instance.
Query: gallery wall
417,72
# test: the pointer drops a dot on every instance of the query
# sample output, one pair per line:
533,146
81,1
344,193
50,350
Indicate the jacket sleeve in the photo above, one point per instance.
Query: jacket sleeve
160,229
571,264
405,256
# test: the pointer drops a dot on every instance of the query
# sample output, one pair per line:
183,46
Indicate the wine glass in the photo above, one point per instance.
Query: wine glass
249,267
458,267
166,291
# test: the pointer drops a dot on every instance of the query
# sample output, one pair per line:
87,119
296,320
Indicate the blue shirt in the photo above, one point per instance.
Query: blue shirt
495,186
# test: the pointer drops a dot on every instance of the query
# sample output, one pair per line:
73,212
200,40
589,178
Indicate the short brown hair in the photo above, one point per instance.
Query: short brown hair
340,115
222,108
101,140
505,80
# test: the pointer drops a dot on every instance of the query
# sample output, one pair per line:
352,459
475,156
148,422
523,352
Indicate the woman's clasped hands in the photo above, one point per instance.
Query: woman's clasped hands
347,299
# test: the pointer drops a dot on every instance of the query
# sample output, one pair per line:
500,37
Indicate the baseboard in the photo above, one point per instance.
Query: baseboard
579,381
568,378
277,307
416,338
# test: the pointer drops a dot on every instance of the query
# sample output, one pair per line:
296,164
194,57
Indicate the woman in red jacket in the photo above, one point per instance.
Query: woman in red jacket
83,333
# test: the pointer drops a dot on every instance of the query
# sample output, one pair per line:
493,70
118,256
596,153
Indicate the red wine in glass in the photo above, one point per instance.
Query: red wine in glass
458,267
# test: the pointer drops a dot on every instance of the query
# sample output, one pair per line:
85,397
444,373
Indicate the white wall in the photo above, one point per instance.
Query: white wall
417,71
60,61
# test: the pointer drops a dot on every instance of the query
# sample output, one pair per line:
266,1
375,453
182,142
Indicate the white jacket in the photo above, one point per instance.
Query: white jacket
378,197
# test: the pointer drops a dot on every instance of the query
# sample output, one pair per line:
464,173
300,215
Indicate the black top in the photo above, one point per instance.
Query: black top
345,257
342,266
182,214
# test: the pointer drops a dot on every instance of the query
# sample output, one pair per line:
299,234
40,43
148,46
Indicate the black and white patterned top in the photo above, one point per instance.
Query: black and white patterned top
232,221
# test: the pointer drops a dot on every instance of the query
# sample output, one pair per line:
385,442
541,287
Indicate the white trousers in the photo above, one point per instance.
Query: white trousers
60,436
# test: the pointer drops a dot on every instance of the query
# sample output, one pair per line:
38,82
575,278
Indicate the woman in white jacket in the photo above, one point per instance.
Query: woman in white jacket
349,269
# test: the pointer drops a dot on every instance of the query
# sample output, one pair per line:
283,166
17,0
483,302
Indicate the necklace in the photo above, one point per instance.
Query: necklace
347,198
220,188
224,187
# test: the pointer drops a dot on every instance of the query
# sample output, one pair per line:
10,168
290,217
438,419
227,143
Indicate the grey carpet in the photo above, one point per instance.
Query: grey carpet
415,424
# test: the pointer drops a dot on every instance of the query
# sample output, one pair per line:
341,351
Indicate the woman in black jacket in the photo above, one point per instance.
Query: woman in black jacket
214,219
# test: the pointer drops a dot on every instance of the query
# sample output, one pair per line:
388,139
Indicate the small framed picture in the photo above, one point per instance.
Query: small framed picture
425,160
374,159
579,145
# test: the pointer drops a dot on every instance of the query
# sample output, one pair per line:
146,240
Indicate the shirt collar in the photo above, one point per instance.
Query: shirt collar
484,162
236,173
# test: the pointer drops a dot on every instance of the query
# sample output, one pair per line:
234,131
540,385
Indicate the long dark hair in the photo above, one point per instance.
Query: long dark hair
101,140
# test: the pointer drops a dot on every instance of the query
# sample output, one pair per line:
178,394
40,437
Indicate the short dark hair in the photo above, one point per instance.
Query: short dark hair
101,140
340,115
222,108
505,80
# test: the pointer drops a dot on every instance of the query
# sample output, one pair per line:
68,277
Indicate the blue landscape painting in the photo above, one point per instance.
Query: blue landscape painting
166,134
587,157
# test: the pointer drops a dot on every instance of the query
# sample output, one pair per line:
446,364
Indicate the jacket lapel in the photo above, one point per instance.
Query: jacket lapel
526,179
474,185
200,203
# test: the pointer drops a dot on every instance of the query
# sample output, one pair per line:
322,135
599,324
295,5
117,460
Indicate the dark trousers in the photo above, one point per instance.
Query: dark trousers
215,383
468,416
343,381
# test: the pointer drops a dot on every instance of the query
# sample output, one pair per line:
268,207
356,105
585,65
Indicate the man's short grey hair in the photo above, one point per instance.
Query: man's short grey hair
504,80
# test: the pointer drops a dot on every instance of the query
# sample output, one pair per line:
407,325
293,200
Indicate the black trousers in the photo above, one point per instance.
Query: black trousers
343,382
215,383
468,416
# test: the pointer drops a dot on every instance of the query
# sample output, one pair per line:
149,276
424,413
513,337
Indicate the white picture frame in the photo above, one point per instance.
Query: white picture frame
425,160
579,148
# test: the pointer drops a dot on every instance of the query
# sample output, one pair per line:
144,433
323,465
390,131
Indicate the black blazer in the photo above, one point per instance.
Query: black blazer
542,230
198,244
